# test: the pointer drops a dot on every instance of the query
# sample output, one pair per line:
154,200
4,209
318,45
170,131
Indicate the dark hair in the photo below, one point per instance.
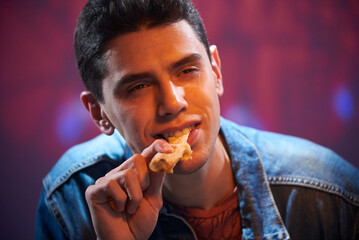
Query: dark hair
102,20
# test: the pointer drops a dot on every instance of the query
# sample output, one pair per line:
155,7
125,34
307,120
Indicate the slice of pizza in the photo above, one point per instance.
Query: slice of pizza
165,162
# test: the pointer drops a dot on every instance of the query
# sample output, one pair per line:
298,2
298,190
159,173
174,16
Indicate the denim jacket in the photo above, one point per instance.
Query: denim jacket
288,188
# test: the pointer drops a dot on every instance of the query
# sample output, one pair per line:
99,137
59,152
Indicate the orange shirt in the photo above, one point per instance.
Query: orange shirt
223,221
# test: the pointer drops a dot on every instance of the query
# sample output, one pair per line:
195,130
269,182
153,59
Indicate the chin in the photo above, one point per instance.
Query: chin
200,157
188,167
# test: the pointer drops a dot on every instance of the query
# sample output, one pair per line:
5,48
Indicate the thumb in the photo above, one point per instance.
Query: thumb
159,145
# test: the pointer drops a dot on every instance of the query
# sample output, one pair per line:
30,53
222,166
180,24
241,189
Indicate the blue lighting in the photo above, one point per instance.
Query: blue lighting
71,121
244,115
343,103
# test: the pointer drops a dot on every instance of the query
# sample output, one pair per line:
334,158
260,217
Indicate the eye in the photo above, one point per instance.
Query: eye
138,87
189,71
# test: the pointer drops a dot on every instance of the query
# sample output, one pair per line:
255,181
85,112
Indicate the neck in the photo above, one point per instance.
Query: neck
205,187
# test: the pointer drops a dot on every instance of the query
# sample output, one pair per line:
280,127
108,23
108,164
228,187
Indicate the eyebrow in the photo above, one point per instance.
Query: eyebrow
129,78
184,61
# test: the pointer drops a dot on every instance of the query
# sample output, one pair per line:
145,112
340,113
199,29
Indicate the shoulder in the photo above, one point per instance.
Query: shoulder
296,161
101,149
62,207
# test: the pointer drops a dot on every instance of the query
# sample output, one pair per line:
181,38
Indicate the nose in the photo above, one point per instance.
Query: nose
171,100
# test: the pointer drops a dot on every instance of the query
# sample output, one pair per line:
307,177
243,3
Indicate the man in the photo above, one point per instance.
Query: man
150,73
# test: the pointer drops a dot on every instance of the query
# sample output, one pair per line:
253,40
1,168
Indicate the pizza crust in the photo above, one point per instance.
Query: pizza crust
165,162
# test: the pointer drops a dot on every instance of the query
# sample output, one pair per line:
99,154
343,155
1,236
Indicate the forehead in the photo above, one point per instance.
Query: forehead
147,48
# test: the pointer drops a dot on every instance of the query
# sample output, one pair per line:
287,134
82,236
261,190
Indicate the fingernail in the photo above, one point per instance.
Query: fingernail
167,148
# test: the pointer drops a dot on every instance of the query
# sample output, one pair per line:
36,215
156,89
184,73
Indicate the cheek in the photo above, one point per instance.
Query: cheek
204,94
130,131
131,123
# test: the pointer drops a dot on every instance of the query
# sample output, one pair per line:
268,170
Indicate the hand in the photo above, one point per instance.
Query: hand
125,203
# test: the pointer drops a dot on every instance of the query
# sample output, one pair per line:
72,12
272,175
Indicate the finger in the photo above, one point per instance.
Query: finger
129,182
101,179
105,192
118,197
138,163
159,145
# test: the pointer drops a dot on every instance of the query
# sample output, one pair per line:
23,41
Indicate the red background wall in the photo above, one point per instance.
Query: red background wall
288,66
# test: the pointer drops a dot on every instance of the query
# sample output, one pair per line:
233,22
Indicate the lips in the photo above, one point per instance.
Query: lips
193,136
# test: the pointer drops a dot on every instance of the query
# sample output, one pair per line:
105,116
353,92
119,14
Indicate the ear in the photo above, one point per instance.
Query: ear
97,114
216,67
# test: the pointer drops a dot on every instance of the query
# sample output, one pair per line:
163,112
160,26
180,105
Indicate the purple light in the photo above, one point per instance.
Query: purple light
343,102
244,116
71,121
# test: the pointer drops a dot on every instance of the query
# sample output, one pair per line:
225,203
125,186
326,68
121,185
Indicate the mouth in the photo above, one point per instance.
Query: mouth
175,133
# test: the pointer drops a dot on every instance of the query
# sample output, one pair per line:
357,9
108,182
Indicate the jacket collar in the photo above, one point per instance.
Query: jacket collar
259,213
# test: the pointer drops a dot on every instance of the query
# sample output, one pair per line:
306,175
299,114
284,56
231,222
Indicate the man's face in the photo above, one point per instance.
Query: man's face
161,81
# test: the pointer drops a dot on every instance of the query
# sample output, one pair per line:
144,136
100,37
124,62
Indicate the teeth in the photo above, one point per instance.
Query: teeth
178,133
186,130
